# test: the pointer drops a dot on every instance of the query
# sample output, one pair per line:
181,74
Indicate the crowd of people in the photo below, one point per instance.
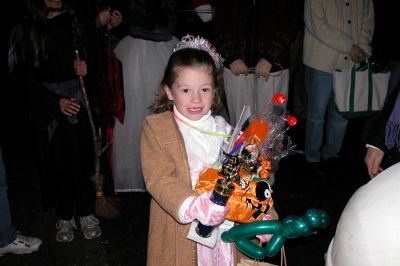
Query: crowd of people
128,77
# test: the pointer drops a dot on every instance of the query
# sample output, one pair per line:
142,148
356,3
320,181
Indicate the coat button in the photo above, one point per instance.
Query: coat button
349,21
345,58
347,4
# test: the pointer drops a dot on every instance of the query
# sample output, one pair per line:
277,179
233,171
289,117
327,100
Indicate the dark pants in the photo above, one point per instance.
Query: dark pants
72,146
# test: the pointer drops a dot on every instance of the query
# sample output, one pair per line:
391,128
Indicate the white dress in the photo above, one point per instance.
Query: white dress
203,151
143,65
252,91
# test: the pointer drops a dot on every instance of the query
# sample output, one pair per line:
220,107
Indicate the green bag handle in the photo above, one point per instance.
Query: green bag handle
354,69
372,67
362,67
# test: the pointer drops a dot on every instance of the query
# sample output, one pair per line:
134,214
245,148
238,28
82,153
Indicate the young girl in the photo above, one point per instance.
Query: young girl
178,142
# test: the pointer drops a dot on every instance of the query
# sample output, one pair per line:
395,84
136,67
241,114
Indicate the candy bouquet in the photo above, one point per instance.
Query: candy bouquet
241,180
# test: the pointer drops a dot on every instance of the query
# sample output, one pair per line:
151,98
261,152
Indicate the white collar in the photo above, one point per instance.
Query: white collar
203,120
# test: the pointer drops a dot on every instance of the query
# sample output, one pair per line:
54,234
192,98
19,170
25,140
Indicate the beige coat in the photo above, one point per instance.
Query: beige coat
166,174
331,29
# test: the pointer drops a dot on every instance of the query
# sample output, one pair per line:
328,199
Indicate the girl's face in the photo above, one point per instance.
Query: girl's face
192,91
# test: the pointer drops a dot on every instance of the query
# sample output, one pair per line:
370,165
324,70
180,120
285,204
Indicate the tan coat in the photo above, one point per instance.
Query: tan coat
166,174
331,29
167,177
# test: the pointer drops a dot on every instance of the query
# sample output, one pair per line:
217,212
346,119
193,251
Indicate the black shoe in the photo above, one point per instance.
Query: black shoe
315,168
334,166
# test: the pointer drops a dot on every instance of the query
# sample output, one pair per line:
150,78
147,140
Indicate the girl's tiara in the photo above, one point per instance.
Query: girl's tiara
189,41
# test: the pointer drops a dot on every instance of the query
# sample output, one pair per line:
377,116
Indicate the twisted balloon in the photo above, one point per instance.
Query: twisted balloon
290,227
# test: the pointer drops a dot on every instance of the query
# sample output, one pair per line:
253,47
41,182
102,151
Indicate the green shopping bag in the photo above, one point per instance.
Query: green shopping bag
361,91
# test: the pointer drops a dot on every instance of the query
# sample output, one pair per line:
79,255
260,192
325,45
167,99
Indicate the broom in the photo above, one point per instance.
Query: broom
105,206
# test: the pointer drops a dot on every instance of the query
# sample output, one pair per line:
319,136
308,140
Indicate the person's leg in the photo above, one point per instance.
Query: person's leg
66,180
64,169
84,165
318,86
10,241
44,166
335,130
86,195
7,230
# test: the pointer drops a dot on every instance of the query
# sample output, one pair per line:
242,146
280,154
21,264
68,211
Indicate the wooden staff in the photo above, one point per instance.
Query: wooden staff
104,207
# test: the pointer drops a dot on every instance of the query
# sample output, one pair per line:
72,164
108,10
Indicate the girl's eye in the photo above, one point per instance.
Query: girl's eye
206,89
185,90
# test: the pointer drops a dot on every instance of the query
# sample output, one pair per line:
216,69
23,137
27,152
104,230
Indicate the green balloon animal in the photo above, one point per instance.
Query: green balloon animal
290,227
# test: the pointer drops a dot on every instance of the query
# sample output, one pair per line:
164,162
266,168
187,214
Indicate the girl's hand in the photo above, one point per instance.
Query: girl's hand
206,211
69,107
80,67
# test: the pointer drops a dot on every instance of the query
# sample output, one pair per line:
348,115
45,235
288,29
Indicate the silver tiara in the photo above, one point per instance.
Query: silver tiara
189,41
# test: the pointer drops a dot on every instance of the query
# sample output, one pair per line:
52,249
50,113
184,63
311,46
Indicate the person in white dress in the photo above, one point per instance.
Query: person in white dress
144,53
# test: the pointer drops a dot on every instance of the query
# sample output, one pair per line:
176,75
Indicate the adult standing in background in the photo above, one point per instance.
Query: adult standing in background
337,34
383,139
385,50
99,24
98,20
254,38
42,57
385,46
144,54
195,17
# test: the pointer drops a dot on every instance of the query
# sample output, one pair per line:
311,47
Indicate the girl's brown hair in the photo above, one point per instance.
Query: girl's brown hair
187,57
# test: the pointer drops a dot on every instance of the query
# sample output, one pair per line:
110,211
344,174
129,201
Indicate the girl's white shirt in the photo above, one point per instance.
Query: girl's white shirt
202,149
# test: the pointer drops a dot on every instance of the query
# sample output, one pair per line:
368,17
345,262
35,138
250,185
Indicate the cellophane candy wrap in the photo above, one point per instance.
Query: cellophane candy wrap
245,160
